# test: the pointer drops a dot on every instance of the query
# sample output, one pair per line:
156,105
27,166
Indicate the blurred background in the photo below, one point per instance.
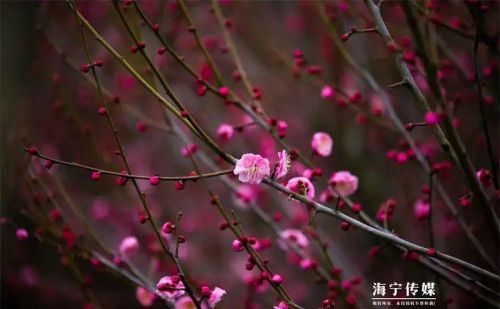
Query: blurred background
48,103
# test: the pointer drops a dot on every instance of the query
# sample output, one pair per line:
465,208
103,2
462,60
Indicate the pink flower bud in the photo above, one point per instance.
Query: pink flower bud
205,291
95,176
154,180
224,91
225,132
327,92
179,185
168,227
129,246
277,279
237,245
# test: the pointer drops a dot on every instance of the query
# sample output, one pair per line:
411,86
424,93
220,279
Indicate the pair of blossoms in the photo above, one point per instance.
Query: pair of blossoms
253,168
172,289
169,288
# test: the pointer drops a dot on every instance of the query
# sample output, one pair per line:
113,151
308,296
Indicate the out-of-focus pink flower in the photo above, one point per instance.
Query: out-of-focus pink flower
344,183
189,150
170,287
129,246
401,157
144,297
224,91
252,168
247,194
431,118
21,234
322,143
422,210
125,81
295,236
100,209
277,279
215,297
377,105
281,305
283,164
301,185
29,276
327,92
225,132
282,127
307,264
326,196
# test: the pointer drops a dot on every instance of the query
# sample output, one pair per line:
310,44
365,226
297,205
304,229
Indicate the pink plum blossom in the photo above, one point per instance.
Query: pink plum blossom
215,297
301,185
422,210
252,168
344,183
322,143
166,287
283,164
295,236
129,246
144,297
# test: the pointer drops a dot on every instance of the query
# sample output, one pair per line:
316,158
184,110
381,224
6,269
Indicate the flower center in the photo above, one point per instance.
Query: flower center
253,171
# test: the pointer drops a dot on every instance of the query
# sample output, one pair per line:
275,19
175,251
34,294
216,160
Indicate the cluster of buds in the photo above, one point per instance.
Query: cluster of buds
86,67
140,46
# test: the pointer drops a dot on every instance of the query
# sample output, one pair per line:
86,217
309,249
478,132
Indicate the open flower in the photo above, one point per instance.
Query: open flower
170,287
252,168
283,164
301,185
322,143
344,183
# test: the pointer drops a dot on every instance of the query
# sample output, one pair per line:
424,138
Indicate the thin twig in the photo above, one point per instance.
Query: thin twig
129,176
